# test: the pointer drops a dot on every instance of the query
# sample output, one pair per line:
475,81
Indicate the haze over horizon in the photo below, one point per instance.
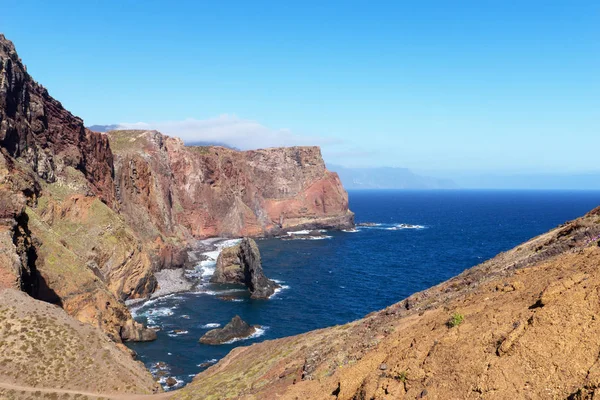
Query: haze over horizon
480,89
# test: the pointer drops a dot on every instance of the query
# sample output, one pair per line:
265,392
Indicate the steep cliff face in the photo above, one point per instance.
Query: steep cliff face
61,238
36,128
522,325
241,265
169,189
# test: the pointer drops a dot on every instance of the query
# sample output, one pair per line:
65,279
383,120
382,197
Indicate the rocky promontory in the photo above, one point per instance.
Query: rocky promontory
235,329
241,265
171,190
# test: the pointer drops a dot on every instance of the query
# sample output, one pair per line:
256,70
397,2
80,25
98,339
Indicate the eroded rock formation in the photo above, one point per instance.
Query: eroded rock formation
235,329
240,264
171,190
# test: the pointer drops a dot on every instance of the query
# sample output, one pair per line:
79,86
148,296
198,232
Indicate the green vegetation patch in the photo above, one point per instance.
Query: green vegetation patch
455,320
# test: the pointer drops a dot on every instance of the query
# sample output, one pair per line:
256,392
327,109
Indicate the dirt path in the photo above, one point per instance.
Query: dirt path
160,396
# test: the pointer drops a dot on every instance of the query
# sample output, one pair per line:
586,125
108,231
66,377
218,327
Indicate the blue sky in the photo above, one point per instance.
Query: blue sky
500,86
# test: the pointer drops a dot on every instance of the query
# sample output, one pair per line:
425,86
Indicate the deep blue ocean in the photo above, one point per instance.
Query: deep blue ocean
350,274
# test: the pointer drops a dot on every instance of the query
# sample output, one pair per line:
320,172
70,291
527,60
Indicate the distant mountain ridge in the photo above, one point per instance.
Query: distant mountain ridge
388,178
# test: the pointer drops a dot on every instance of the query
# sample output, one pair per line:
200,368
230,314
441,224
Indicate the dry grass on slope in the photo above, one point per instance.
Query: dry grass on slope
42,347
525,324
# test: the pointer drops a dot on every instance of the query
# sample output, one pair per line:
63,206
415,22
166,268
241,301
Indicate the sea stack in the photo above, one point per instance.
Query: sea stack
235,329
240,264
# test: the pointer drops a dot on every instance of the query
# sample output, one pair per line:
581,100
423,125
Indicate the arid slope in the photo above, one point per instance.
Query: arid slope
42,347
531,329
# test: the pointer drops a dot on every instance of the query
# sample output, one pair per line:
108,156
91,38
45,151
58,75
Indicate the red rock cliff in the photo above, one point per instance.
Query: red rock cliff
61,237
201,192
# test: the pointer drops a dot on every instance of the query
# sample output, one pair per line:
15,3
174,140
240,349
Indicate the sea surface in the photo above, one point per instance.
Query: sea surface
346,275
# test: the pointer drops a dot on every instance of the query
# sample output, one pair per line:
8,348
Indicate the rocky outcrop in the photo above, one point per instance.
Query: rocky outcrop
17,252
522,325
61,238
235,329
36,128
240,264
136,332
169,190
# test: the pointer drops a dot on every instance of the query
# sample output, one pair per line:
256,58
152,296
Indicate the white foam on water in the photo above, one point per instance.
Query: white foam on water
307,237
371,225
320,237
353,230
161,312
302,232
163,382
208,266
279,289
179,333
210,326
258,333
219,292
211,361
399,227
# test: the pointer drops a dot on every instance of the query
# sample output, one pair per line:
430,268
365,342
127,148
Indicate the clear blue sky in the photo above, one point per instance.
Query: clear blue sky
428,85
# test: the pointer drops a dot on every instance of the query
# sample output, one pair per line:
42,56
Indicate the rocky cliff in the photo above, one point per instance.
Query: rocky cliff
86,230
241,265
61,237
522,325
171,190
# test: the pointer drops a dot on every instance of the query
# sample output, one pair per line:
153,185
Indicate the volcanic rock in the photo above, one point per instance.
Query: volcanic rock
171,381
183,191
235,329
136,332
240,264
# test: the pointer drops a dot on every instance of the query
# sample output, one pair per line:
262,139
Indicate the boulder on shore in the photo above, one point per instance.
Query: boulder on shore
240,264
136,332
235,329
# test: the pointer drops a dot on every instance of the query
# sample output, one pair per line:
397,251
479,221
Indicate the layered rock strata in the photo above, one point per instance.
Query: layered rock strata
173,191
61,236
241,265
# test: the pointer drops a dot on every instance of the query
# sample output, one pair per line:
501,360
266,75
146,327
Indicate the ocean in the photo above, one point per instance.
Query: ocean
420,238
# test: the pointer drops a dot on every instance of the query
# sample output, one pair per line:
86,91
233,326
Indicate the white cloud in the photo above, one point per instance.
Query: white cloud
230,130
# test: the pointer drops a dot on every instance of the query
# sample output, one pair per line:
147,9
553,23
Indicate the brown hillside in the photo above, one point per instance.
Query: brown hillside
530,329
42,347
